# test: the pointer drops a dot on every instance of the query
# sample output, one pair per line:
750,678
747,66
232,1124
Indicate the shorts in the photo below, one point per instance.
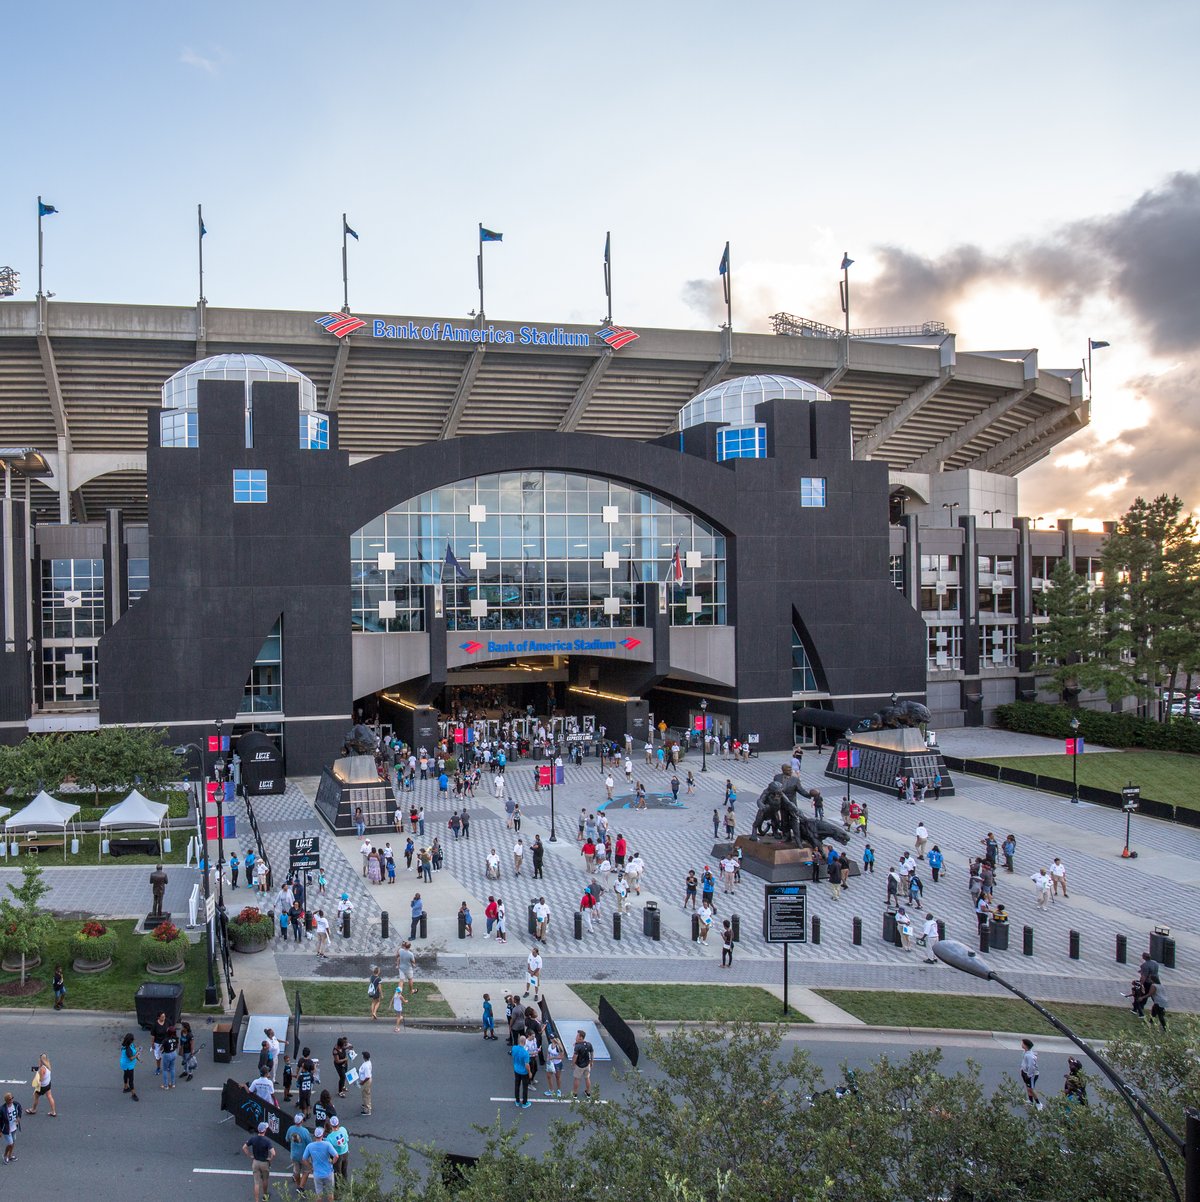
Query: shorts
323,1186
1030,1082
9,1139
579,1073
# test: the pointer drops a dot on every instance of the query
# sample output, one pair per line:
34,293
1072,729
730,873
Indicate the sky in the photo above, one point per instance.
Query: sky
1028,175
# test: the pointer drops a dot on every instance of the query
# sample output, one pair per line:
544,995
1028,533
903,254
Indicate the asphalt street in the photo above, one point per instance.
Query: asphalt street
430,1088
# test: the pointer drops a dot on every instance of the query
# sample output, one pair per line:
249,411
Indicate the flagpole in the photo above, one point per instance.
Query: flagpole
846,289
608,276
39,290
479,265
200,246
728,291
345,271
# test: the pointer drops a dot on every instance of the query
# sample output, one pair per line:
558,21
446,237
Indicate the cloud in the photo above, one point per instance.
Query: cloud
1144,261
211,65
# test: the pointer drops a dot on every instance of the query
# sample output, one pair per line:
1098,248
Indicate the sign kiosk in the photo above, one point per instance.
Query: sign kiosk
785,920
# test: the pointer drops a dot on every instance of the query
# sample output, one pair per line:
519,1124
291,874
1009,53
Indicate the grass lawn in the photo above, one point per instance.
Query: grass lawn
884,1009
349,998
114,988
1163,775
176,801
89,852
692,1003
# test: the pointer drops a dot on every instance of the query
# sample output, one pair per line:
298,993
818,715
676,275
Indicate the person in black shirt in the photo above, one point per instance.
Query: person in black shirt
187,1050
304,1084
157,1034
323,1110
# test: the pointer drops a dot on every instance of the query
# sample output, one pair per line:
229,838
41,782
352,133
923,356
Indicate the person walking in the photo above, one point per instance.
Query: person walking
406,967
1009,848
374,990
130,1054
398,1004
518,854
922,840
322,926
187,1051
1041,886
521,1074
341,1062
538,851
41,1086
501,921
706,922
936,862
261,1152
581,1065
298,1138
930,934
10,1125
533,965
727,944
366,1072
262,1087
489,1018
893,887
322,1159
1029,1072
59,986
868,859
690,885
1156,995
1058,878
555,1055
708,889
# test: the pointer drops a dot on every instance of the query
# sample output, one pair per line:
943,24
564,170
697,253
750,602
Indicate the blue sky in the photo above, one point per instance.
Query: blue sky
793,130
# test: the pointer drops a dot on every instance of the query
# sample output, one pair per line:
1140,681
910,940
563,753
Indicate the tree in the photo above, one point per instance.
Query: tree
119,756
24,926
1068,643
38,762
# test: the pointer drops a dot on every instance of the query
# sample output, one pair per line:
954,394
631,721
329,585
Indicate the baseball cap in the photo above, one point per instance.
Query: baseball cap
299,1118
333,1120
319,1132
263,1128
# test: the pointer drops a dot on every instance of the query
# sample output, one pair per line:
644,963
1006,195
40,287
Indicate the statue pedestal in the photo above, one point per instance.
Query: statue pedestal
885,754
776,861
152,920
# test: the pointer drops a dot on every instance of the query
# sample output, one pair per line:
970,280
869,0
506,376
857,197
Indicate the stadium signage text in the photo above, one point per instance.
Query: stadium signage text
551,645
444,331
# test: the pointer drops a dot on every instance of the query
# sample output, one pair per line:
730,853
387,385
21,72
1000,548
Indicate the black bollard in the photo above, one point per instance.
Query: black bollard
1122,949
578,925
735,925
617,925
984,945
941,926
1027,941
695,928
1073,944
816,930
462,925
345,924
383,925
424,931
856,932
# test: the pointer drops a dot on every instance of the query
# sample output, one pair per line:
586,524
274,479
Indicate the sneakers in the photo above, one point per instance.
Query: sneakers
526,1105
1040,1106
549,1093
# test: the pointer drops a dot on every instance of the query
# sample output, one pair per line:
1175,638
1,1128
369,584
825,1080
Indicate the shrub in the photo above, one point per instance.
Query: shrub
250,926
167,944
1103,729
94,942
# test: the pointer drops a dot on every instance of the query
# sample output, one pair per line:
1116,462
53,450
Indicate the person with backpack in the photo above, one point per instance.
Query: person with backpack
582,1055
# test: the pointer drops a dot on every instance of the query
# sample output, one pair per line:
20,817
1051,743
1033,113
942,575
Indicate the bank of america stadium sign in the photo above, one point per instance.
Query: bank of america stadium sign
445,331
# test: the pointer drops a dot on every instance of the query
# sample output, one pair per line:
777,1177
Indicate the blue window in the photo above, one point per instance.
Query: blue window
812,492
177,428
249,487
314,432
804,679
741,442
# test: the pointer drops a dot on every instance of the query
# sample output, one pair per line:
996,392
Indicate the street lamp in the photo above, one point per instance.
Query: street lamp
991,515
210,989
219,794
704,734
1131,795
1074,760
952,506
957,955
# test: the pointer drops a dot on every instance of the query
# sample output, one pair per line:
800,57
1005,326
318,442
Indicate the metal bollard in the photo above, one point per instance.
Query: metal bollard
816,930
1027,941
941,926
383,925
424,926
345,924
856,932
735,924
1122,949
462,925
617,925
1073,944
578,925
695,928
984,945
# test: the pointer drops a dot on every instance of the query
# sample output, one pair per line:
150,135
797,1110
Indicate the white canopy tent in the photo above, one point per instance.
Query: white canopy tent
134,813
45,811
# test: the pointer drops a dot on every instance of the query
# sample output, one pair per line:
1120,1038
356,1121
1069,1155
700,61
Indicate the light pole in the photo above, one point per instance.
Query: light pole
210,989
704,734
1074,760
553,773
991,514
959,956
219,794
952,506
1131,795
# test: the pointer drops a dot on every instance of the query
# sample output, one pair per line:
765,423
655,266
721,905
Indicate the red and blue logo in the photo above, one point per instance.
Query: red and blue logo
341,324
470,647
616,336
629,644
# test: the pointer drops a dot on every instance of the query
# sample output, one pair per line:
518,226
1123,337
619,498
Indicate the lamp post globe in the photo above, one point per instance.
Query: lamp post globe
1074,760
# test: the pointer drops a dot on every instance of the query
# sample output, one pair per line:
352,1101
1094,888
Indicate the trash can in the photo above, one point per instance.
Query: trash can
652,921
889,926
153,998
998,936
1162,949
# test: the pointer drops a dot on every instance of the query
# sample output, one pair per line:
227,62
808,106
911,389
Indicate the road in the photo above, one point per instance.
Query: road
429,1088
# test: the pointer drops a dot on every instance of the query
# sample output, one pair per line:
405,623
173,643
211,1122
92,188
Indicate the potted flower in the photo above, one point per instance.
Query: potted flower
93,947
251,930
166,949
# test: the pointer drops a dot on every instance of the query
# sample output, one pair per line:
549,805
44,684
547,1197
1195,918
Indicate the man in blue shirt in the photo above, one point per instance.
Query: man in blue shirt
520,1061
417,908
298,1138
322,1157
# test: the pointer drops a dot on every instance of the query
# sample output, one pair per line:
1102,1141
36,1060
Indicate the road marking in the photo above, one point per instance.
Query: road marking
212,1088
235,1172
14,1081
553,1101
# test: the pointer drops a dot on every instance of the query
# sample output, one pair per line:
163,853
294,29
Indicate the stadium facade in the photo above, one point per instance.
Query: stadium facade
635,520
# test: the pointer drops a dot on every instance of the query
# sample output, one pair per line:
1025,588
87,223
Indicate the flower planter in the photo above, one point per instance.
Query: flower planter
13,963
164,970
250,946
86,966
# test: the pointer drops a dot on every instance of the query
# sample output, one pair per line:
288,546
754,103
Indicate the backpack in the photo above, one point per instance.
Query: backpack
583,1054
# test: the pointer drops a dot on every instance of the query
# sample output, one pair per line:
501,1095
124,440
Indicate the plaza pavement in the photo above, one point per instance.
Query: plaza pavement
1108,895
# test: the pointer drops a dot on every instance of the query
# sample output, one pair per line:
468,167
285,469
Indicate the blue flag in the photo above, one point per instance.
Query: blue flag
1094,344
724,268
486,235
347,230
847,262
44,210
203,228
452,562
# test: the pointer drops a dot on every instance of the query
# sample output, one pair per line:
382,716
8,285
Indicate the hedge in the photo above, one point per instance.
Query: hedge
1103,729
